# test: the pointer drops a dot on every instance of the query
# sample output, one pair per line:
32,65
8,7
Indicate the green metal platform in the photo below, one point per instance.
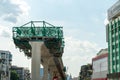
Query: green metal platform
39,31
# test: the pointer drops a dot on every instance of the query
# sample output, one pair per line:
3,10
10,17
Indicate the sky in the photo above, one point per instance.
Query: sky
83,24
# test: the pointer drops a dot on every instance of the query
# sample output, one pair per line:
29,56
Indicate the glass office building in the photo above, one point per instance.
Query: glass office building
113,30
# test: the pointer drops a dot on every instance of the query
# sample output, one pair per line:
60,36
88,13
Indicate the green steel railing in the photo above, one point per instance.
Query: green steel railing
51,35
28,32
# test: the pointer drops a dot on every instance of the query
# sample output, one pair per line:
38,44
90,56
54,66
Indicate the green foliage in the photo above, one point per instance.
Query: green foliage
86,72
14,75
64,69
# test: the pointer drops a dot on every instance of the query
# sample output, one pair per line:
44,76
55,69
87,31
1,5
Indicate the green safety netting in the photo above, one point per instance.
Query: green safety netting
51,35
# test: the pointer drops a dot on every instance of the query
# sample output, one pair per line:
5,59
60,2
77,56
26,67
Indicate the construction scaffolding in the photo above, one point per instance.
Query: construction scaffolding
39,31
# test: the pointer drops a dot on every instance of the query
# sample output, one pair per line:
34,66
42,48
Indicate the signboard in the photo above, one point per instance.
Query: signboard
55,78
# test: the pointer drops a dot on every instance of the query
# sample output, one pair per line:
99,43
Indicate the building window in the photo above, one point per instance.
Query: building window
113,62
113,46
113,70
118,69
116,38
113,55
119,29
113,50
117,62
112,32
117,53
116,30
113,36
3,55
116,46
111,27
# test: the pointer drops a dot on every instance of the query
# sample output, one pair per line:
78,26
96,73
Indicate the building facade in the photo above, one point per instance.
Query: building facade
100,65
41,73
5,64
114,48
68,77
23,73
113,39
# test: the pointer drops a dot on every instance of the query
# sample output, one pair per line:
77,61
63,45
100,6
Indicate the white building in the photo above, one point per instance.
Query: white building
75,78
69,77
100,65
23,73
5,64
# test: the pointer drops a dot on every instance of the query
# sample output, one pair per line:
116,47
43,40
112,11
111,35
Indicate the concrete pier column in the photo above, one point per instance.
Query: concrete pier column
51,75
45,76
36,57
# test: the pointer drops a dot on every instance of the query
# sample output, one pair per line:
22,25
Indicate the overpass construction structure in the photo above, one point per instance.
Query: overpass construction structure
44,43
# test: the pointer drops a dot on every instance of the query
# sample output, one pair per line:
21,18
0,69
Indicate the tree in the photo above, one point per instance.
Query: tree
14,75
86,72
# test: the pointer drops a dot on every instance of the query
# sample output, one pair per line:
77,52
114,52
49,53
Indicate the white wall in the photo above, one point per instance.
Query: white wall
100,68
100,65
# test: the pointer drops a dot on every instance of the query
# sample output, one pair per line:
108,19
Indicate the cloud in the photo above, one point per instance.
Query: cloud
4,32
64,2
78,53
11,10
